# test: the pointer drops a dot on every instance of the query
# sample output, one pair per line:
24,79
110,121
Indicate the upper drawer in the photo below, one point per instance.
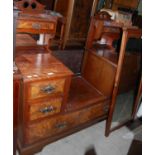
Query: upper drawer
41,89
35,26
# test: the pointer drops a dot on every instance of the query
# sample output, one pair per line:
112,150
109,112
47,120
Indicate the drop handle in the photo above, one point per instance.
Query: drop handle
106,109
47,110
36,26
61,125
48,89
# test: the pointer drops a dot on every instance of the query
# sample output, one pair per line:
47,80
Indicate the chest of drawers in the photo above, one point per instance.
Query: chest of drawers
45,87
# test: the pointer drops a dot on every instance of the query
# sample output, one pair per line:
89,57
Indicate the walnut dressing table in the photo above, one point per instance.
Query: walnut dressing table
52,102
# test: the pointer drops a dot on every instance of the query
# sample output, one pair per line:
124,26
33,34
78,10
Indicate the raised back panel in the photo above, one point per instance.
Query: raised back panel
29,6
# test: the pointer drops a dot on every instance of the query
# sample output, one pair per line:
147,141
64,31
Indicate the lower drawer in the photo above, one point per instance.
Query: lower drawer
62,123
44,108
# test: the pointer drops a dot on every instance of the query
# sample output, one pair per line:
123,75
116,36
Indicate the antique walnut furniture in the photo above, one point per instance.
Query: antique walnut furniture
53,102
75,33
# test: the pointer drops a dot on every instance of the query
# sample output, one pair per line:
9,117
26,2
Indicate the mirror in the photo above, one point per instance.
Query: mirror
127,82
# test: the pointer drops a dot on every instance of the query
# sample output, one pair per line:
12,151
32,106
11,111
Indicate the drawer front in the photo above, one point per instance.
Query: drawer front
62,123
44,108
35,25
45,88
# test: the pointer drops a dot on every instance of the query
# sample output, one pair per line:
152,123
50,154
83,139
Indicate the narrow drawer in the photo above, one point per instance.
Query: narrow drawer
44,108
62,123
22,24
45,88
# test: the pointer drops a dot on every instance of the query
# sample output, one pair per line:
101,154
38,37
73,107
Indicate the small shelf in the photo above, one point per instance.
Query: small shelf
82,94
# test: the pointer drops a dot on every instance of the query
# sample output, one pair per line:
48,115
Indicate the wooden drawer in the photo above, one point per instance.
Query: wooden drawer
62,123
44,108
41,89
35,26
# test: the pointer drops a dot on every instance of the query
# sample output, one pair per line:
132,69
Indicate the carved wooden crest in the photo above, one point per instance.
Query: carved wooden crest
29,6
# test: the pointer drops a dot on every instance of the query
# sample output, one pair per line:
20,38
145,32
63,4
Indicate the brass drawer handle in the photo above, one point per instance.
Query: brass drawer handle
48,89
106,109
61,125
36,26
47,110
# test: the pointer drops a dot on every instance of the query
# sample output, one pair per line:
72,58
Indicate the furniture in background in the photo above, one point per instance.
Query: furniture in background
115,4
78,14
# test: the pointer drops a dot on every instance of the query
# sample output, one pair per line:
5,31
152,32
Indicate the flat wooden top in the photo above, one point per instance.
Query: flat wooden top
40,66
82,94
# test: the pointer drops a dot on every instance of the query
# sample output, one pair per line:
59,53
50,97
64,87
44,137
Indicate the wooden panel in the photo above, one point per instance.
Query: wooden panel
80,19
100,73
62,123
45,88
125,3
61,6
44,108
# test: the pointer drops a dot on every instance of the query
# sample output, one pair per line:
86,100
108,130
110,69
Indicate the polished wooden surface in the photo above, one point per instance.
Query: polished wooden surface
21,50
35,67
100,72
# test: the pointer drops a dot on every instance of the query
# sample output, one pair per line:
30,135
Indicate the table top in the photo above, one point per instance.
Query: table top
40,66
